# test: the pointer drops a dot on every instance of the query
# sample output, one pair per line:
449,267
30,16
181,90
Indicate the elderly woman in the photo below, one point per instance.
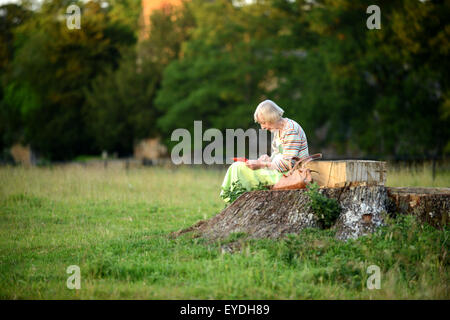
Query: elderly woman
289,142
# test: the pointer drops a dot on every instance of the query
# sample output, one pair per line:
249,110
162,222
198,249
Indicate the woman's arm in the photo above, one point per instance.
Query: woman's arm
264,161
260,164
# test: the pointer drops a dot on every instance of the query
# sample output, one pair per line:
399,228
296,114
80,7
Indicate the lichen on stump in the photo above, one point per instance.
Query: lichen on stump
362,210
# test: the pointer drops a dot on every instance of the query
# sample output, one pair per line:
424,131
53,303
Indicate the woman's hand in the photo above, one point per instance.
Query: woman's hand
264,158
255,164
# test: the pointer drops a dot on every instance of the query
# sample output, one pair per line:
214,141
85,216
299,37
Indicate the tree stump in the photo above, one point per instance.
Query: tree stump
334,174
431,205
273,214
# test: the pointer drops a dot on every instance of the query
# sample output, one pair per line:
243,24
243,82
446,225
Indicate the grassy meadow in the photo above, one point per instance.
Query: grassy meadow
114,224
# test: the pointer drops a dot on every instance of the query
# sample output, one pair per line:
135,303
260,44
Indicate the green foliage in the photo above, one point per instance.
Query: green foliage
237,189
119,109
234,192
63,63
11,16
11,125
326,210
125,14
120,104
222,68
19,104
169,29
321,63
355,90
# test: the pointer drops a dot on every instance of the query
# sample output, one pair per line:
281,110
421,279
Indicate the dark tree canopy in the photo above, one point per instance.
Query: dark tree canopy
381,93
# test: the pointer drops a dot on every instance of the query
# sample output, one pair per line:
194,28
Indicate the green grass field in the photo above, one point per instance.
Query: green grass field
114,225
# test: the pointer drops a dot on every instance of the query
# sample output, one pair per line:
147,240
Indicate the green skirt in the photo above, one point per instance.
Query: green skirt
248,178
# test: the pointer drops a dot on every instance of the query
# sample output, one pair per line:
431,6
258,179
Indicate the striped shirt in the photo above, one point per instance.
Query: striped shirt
292,140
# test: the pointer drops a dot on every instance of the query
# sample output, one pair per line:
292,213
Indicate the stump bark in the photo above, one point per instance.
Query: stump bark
273,214
430,205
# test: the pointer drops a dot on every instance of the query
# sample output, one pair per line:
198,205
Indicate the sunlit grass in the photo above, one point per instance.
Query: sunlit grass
114,224
417,176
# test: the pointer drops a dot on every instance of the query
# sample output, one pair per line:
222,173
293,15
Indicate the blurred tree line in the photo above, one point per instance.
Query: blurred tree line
380,93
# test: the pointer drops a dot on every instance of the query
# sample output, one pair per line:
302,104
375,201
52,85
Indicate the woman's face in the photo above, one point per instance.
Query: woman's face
265,124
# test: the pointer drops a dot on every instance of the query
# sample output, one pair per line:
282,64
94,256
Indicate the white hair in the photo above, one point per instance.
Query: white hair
269,110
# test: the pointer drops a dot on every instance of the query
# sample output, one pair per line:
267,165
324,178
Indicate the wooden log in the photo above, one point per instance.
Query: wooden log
335,174
431,205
